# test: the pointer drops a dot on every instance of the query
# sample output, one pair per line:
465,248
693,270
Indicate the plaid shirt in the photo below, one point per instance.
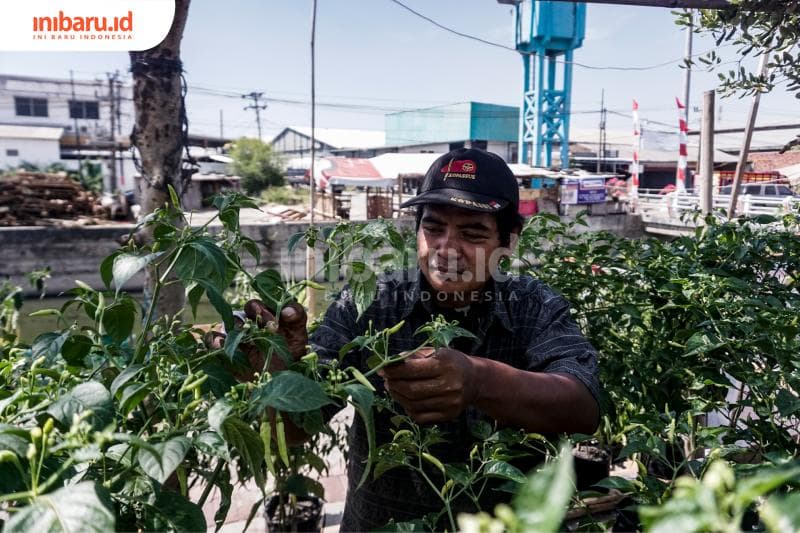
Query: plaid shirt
520,322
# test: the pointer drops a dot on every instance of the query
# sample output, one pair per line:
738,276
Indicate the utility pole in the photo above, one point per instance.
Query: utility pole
221,136
763,69
311,258
112,115
601,149
258,107
118,85
707,154
687,79
75,126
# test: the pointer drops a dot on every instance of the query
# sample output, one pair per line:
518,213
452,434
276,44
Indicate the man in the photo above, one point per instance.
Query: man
528,367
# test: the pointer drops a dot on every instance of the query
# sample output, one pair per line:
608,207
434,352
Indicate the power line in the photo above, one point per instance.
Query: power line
512,49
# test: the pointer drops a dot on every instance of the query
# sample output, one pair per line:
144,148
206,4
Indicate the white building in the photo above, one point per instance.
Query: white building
37,145
33,108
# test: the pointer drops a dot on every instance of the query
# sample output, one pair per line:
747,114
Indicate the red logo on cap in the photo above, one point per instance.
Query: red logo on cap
462,166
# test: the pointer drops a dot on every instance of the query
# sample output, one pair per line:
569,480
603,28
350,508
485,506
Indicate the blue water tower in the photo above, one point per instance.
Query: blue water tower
547,33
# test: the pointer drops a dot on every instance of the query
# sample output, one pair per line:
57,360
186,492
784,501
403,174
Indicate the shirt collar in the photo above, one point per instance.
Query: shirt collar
497,306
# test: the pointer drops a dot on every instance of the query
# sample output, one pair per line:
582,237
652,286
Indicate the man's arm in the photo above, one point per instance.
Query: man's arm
556,391
439,387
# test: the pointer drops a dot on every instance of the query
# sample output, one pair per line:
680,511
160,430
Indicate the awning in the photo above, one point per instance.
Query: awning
348,172
394,165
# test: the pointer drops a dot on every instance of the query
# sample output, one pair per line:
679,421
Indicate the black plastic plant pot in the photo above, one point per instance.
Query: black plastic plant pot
592,464
306,517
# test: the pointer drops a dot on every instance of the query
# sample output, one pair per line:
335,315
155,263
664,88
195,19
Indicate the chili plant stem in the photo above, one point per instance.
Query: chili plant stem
210,484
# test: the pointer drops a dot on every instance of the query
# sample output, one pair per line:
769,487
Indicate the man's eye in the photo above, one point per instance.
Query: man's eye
474,237
432,229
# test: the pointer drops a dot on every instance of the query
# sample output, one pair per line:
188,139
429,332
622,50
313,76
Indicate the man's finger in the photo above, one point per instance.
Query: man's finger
293,316
256,310
417,389
414,368
214,340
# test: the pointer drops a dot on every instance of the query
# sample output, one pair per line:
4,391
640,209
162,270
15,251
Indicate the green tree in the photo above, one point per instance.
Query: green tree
755,27
256,163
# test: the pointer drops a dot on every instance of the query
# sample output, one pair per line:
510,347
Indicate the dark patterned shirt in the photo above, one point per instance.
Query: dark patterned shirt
520,322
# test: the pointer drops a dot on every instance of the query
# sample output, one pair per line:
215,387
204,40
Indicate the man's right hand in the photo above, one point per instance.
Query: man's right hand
291,326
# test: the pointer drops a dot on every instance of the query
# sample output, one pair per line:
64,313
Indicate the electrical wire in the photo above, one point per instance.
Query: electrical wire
561,61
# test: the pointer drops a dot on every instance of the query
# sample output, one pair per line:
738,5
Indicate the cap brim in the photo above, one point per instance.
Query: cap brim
458,198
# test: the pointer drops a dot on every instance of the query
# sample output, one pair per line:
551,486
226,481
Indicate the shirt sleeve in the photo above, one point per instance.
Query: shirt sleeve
557,345
336,329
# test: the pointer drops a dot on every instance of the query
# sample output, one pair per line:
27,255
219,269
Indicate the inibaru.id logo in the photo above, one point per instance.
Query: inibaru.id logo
102,27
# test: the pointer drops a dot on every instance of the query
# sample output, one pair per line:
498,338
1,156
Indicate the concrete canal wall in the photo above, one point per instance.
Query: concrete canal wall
76,253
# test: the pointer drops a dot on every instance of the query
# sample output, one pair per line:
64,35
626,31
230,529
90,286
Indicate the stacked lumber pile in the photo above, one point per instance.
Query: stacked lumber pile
38,198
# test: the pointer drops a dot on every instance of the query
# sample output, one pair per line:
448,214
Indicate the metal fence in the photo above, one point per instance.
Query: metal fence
669,208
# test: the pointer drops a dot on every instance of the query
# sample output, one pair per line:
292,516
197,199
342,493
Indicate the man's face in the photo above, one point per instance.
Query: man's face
457,249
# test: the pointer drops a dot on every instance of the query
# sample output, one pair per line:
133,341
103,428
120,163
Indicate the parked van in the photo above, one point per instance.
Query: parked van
761,189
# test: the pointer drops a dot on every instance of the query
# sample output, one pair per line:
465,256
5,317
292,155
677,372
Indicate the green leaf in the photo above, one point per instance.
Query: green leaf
118,319
504,470
459,473
218,302
223,482
14,443
271,289
128,265
194,291
787,403
173,512
211,443
169,455
132,396
76,348
49,344
87,396
362,399
247,442
752,488
107,268
252,248
290,392
82,507
294,240
781,512
218,413
219,381
363,284
230,219
542,502
173,197
232,340
198,261
619,483
125,376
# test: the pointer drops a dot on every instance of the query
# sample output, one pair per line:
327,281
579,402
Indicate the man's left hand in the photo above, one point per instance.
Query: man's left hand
433,388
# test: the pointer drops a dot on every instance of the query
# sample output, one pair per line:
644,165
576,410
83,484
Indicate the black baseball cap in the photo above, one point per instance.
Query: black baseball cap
469,178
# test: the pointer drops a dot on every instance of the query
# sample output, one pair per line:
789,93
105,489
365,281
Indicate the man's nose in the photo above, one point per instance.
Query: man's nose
448,243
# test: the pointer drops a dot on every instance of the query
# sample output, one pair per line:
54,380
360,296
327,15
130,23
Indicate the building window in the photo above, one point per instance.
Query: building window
30,107
11,152
83,109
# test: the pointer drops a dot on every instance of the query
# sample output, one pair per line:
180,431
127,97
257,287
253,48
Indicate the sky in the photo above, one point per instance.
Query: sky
374,57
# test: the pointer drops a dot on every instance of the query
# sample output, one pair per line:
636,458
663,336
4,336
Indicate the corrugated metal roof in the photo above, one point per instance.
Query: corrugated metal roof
14,131
345,138
393,165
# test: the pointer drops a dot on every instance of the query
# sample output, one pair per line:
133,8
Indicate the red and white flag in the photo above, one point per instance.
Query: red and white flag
683,137
637,146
